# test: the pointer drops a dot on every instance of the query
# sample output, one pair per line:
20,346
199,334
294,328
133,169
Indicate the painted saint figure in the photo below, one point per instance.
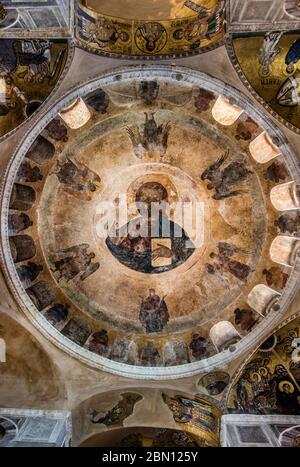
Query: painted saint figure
269,50
10,94
245,318
119,412
18,222
153,312
292,56
27,173
101,32
3,12
288,223
207,24
75,261
77,177
289,93
151,33
224,263
198,346
148,91
151,243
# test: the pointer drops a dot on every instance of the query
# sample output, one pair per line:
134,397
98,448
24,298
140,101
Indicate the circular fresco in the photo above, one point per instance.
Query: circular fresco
142,224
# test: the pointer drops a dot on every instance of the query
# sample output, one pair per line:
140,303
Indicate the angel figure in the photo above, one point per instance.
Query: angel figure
153,138
102,32
75,261
77,176
151,32
223,261
222,179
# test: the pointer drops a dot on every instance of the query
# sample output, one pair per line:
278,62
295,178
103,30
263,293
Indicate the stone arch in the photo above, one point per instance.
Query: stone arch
135,406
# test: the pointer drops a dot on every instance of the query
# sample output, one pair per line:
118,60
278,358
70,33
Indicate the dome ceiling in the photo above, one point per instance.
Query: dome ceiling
148,9
124,295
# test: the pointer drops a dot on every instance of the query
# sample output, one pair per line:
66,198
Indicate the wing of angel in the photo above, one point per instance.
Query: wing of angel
136,140
93,175
82,248
222,194
134,135
90,270
215,165
73,163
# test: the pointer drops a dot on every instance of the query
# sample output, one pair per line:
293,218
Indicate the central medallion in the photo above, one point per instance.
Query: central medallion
151,242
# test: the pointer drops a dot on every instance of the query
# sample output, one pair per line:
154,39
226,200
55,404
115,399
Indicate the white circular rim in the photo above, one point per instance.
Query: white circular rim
173,74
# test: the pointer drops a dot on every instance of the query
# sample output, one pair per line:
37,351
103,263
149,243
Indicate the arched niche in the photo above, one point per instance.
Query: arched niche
41,294
41,151
22,197
22,248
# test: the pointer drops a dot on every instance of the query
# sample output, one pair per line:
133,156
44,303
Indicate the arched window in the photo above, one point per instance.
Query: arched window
262,148
283,250
262,298
284,197
76,114
223,335
225,112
